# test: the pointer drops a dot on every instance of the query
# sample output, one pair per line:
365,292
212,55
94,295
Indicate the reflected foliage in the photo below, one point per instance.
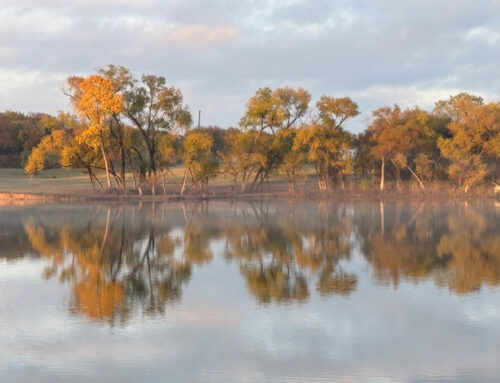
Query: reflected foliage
116,260
458,247
127,260
280,254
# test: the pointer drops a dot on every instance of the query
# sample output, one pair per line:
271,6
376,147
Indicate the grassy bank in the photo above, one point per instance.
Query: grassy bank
58,184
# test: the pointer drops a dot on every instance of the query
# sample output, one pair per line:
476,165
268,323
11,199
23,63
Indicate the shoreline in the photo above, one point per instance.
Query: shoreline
25,198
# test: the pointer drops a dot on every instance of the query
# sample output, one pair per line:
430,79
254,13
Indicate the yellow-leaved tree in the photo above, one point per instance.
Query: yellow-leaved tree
474,128
50,145
200,161
95,100
326,144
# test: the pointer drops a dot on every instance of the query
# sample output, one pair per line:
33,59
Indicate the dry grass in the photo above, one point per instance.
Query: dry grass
76,181
55,181
74,184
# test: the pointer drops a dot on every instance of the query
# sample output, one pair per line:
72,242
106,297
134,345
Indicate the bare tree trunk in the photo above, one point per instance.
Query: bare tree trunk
122,168
153,183
341,176
416,177
243,181
91,178
106,165
321,178
98,182
382,218
291,183
134,179
112,171
398,176
254,186
164,183
382,174
184,182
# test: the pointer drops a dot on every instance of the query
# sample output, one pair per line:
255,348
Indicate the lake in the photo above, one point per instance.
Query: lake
250,292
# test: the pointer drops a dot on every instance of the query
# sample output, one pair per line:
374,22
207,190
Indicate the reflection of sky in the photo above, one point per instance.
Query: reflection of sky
218,333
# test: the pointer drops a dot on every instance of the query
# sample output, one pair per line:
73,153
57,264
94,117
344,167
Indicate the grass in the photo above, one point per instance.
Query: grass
53,181
76,181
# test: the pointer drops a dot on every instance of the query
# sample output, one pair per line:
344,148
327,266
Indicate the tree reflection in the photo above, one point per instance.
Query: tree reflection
471,248
138,259
458,248
279,254
114,263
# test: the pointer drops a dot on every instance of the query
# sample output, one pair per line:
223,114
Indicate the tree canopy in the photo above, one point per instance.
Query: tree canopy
138,128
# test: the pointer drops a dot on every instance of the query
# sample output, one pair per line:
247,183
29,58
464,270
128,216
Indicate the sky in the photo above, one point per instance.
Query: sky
219,52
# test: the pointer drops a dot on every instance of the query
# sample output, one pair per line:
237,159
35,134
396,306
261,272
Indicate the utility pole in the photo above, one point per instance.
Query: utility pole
199,119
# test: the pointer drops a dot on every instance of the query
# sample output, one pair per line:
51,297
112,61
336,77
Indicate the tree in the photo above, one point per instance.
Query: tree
292,156
95,99
120,134
269,112
246,156
50,145
155,109
473,145
199,160
328,146
274,110
20,133
398,136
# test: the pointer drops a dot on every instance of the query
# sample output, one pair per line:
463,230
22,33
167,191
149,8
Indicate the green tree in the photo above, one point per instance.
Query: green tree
155,109
267,113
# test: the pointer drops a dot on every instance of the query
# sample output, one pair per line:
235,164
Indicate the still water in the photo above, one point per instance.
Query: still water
250,292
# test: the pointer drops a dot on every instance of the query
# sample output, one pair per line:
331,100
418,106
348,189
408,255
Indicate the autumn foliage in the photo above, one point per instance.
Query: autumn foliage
141,127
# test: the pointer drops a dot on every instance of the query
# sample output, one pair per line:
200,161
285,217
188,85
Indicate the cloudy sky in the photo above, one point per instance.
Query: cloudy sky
219,52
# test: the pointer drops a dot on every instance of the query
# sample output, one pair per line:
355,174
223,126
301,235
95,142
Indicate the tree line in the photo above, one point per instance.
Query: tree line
122,125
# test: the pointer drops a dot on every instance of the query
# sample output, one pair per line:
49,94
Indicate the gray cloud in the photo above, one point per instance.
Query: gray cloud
219,52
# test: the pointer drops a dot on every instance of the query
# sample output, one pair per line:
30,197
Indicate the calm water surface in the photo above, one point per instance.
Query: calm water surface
250,292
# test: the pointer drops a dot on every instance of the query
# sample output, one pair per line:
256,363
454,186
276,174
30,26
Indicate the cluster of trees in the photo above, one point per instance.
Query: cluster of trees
123,259
121,124
126,125
20,133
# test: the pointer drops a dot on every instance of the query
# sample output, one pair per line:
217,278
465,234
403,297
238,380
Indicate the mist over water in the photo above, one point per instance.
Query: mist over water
250,291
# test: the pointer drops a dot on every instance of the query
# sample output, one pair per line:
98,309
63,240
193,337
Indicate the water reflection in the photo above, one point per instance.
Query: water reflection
458,247
115,260
124,260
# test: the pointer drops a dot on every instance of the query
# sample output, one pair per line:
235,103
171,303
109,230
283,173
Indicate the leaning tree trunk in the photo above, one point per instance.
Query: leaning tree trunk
398,176
416,177
98,182
184,182
89,171
106,165
467,187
